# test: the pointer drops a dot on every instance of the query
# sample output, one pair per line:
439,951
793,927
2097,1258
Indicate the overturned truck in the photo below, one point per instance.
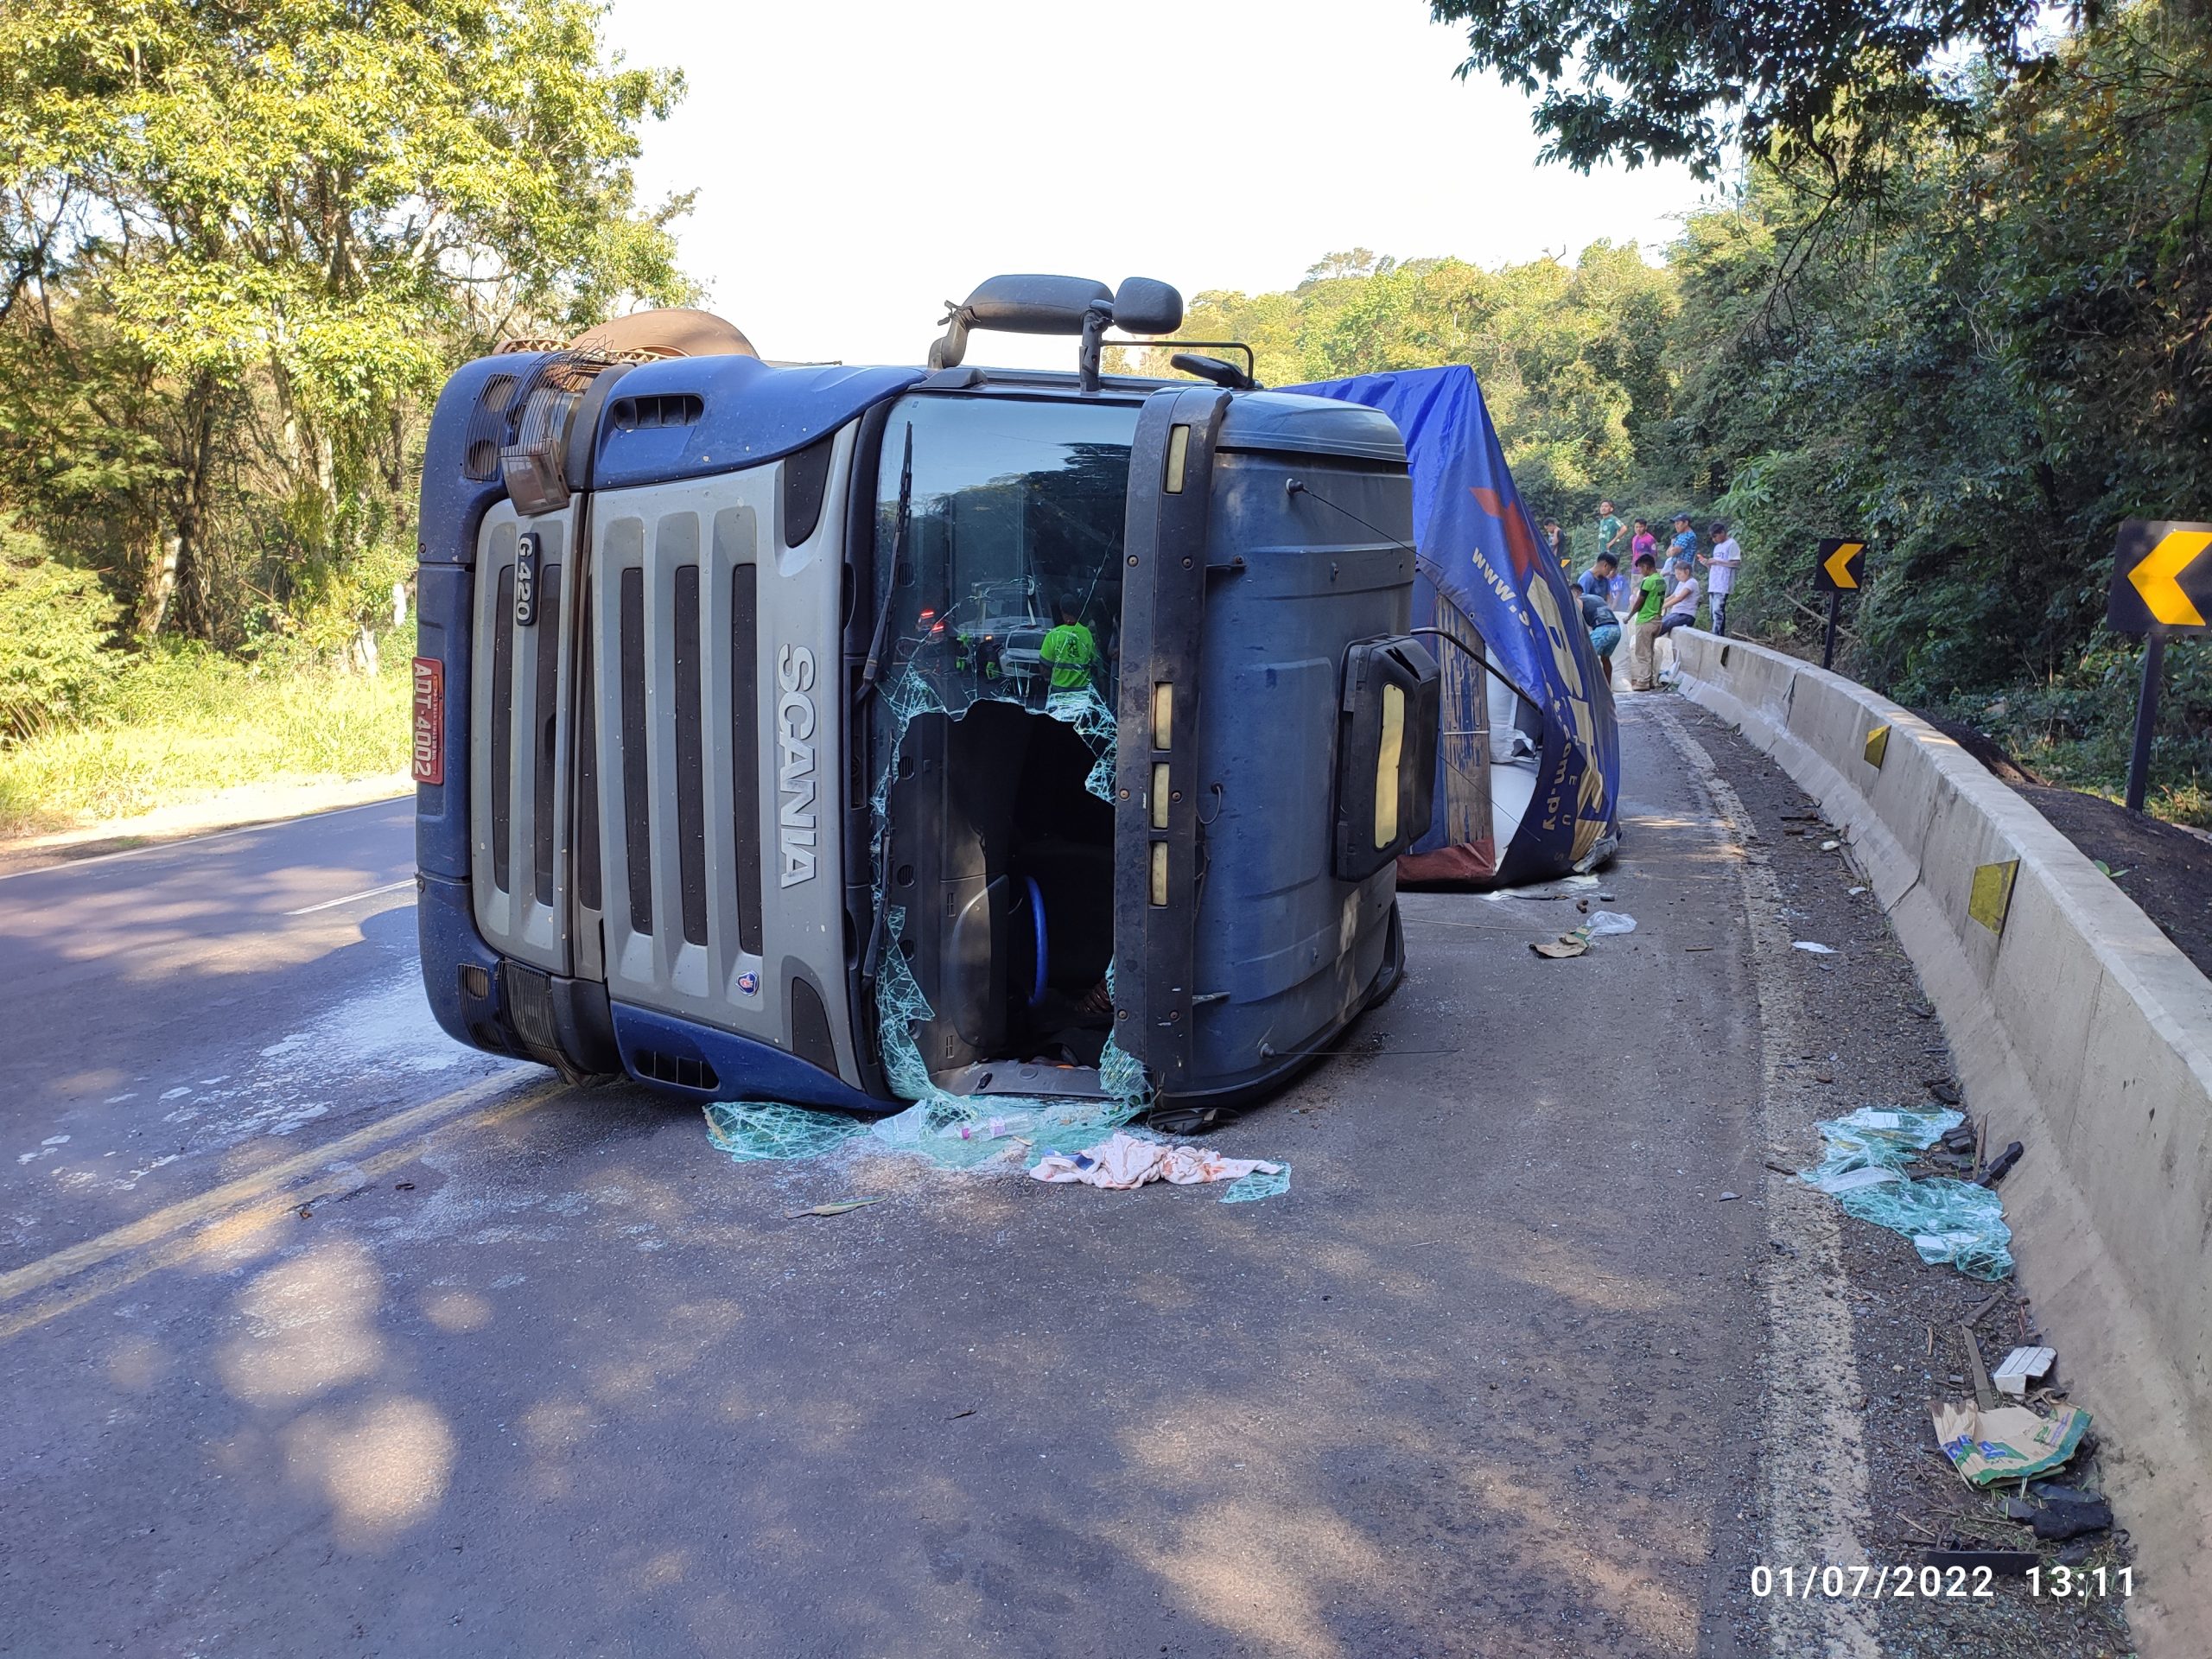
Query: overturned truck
833,735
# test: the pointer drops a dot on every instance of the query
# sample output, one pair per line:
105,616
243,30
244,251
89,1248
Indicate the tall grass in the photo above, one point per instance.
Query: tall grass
180,725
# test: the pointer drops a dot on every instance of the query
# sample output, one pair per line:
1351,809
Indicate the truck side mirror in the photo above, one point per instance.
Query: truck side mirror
1142,306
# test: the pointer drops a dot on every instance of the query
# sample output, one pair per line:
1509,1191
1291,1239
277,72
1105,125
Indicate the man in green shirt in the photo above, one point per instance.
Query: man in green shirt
1069,651
1650,596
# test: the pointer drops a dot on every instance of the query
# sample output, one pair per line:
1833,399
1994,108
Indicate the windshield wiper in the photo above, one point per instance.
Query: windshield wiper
870,668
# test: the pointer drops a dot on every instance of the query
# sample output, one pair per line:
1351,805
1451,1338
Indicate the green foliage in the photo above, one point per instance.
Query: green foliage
1836,83
240,248
55,626
1982,377
181,721
1571,358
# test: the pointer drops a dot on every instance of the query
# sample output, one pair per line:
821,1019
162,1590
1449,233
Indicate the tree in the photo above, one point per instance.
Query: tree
1571,358
1982,377
1835,81
244,243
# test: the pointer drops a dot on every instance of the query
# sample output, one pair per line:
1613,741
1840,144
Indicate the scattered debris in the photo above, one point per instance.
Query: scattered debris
1984,1391
2067,1512
1852,893
1945,1091
2006,1444
1565,945
842,1206
1268,1182
1816,950
2001,1165
2021,1367
957,1415
1982,1308
1605,923
1830,846
1948,1221
1125,1160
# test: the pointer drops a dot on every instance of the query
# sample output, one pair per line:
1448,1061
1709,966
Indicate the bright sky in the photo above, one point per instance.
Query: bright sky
859,164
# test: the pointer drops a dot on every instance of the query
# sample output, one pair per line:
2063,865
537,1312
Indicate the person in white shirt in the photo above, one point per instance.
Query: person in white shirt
1723,562
1680,608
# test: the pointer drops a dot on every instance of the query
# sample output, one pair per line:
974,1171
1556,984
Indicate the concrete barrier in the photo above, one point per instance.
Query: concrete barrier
2078,1030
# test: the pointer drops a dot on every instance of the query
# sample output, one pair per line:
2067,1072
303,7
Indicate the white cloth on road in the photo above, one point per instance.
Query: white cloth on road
1126,1161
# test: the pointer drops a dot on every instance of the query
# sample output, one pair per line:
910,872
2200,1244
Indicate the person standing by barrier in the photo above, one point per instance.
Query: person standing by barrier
1649,593
1612,544
1641,543
1598,617
1602,577
1723,562
1683,546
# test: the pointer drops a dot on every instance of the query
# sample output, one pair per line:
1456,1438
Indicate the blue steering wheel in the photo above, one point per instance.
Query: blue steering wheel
1037,920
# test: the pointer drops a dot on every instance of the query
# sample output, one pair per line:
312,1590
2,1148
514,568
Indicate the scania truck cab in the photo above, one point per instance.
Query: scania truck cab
836,735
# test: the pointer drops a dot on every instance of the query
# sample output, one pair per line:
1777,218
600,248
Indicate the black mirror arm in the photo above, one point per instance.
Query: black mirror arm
1092,353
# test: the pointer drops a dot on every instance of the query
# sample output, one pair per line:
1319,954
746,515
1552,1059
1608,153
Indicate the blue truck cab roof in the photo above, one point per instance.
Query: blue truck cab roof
693,417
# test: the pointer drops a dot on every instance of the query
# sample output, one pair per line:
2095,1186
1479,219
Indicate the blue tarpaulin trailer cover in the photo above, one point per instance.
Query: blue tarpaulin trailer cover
1482,569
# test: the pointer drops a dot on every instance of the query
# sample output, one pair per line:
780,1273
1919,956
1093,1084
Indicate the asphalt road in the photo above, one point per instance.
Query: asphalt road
322,1334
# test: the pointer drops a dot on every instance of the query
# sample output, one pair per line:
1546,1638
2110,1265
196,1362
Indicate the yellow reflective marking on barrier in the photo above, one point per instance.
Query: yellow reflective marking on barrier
1992,893
1878,745
1838,564
2153,576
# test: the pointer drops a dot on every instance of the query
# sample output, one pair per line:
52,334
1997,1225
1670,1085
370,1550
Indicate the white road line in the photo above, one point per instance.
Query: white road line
366,893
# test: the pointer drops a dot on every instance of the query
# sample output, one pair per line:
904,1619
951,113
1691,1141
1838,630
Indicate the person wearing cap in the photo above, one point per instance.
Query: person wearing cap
1722,562
1682,546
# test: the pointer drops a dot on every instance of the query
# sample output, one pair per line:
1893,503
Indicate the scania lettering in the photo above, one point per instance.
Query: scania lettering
795,777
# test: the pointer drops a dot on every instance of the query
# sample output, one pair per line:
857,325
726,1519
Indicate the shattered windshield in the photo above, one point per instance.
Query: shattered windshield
1009,585
992,815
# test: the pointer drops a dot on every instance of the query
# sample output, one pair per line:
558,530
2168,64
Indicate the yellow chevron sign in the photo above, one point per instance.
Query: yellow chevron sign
2159,579
2154,577
1841,566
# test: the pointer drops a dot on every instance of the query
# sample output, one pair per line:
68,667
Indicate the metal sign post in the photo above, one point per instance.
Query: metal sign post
2159,586
1840,568
2147,716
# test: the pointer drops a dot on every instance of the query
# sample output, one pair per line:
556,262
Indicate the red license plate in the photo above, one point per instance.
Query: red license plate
429,720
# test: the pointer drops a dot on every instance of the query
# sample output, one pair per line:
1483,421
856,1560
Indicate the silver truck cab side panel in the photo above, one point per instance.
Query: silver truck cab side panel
721,720
521,677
